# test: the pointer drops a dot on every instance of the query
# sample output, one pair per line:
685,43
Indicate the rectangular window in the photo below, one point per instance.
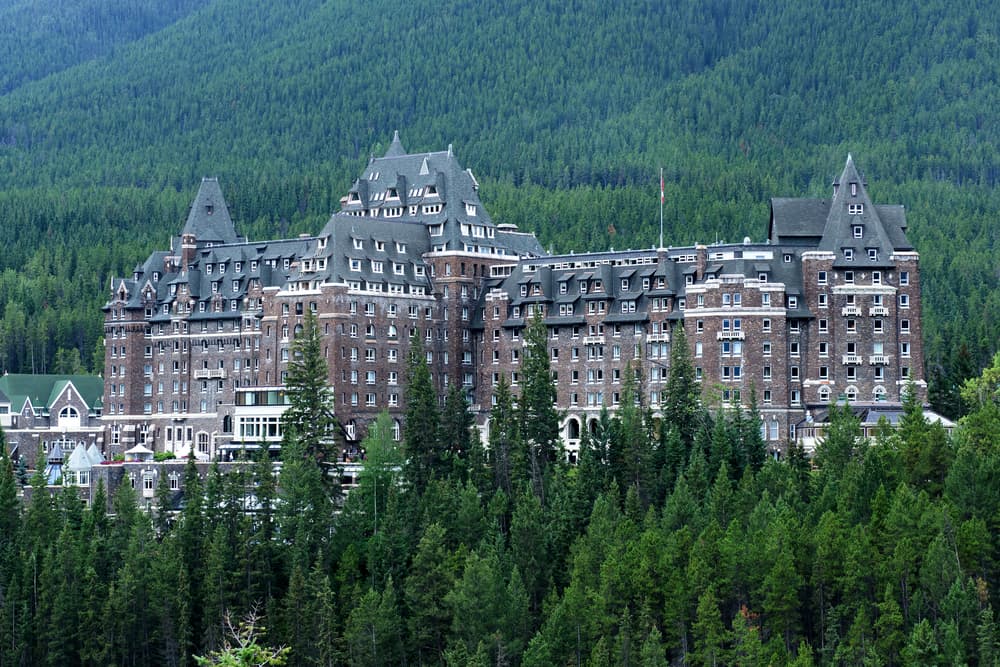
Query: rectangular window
821,277
904,277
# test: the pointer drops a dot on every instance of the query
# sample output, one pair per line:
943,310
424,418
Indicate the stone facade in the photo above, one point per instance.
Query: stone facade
199,337
40,412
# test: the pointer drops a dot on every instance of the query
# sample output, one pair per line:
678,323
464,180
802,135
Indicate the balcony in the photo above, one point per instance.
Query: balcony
852,359
210,374
730,335
879,360
850,310
593,340
878,311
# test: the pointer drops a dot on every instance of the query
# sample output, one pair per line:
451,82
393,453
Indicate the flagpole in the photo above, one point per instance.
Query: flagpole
661,207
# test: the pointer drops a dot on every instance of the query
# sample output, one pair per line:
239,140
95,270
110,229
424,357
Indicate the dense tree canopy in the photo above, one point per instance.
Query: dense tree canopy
870,556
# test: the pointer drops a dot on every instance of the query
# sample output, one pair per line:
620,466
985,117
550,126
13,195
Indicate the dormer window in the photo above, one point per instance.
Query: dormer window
787,257
209,209
431,191
854,189
855,209
859,231
873,254
849,254
470,209
353,198
392,193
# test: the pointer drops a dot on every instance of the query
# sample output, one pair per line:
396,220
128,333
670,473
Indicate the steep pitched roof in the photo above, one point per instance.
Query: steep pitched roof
209,218
851,211
396,147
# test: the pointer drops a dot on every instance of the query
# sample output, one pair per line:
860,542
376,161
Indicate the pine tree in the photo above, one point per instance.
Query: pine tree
538,417
10,509
421,443
310,411
456,433
504,444
432,575
710,636
682,407
631,451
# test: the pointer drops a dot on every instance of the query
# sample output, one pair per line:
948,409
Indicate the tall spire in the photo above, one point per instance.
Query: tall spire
396,147
209,218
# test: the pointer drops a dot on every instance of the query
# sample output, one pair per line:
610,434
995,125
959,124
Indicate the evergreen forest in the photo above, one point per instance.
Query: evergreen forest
111,112
671,542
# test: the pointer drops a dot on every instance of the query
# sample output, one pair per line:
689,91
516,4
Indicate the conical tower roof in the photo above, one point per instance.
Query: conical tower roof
396,147
209,218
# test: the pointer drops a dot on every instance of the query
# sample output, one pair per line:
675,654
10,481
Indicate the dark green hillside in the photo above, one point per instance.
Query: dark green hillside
564,110
40,37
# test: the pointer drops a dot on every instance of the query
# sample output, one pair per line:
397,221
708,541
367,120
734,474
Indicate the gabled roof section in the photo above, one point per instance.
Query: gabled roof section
42,390
797,221
854,231
209,220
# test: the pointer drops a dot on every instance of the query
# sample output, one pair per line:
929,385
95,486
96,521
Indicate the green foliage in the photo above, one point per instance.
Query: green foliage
310,411
421,443
538,418
754,570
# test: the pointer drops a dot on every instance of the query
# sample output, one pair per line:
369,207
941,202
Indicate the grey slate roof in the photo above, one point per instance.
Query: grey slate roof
208,219
417,180
838,232
829,223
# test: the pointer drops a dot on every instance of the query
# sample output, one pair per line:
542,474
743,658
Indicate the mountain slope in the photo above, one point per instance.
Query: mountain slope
564,109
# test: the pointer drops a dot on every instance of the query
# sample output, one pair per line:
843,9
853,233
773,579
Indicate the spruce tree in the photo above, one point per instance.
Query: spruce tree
682,406
310,411
539,419
10,508
504,444
420,430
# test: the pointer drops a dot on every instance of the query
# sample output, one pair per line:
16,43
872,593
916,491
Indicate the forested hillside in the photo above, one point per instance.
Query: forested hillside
565,110
676,542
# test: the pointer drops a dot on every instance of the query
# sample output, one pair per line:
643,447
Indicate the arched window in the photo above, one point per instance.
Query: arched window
824,394
879,394
573,429
69,417
852,394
